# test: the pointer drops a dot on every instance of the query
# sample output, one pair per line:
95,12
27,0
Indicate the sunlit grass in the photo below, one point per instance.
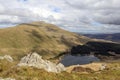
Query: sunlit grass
30,73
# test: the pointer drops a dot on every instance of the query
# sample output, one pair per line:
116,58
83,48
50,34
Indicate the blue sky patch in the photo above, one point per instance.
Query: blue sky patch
22,0
55,9
96,24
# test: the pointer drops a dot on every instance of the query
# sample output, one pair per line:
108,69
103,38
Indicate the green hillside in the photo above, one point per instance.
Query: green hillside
41,37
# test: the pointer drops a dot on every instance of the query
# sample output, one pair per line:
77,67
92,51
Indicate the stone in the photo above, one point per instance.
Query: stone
60,67
102,67
7,57
35,60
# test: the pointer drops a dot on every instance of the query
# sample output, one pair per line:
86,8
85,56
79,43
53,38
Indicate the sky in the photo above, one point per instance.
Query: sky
84,16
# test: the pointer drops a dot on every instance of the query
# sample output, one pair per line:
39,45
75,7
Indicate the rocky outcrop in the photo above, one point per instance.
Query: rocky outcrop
36,60
7,57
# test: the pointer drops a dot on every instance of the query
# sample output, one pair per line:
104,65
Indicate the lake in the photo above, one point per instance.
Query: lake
69,60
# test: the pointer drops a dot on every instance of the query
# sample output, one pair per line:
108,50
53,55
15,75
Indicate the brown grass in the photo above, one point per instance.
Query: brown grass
44,38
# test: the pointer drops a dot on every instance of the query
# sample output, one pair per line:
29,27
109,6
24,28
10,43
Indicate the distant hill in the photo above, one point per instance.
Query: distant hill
113,37
44,38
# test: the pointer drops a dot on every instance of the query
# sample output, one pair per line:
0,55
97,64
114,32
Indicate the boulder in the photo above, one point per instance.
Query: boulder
35,60
7,57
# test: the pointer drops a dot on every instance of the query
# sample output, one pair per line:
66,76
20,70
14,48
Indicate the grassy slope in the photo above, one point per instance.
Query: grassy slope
42,37
28,73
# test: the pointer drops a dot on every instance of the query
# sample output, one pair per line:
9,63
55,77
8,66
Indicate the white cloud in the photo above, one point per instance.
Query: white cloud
74,15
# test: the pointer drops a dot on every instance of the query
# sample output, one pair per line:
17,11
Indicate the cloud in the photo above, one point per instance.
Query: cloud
88,16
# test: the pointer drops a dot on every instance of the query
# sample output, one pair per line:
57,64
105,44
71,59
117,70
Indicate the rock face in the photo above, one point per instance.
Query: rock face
36,60
7,57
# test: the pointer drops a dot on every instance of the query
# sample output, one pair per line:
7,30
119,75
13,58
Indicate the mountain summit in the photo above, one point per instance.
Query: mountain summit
46,39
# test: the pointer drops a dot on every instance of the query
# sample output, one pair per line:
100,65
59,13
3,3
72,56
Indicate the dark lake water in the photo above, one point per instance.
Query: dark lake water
69,60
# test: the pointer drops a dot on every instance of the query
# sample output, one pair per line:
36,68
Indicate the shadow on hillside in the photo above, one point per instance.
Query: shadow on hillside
97,48
28,24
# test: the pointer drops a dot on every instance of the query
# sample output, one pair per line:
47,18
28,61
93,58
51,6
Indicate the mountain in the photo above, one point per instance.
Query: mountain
49,41
46,39
113,37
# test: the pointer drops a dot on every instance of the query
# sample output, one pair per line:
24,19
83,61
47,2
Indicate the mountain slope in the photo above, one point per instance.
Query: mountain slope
113,37
44,38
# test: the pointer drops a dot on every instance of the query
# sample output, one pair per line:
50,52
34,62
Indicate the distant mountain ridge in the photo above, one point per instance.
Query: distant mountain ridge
112,37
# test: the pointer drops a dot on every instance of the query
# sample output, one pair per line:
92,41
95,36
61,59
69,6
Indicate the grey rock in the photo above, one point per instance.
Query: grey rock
60,67
7,57
103,66
36,60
